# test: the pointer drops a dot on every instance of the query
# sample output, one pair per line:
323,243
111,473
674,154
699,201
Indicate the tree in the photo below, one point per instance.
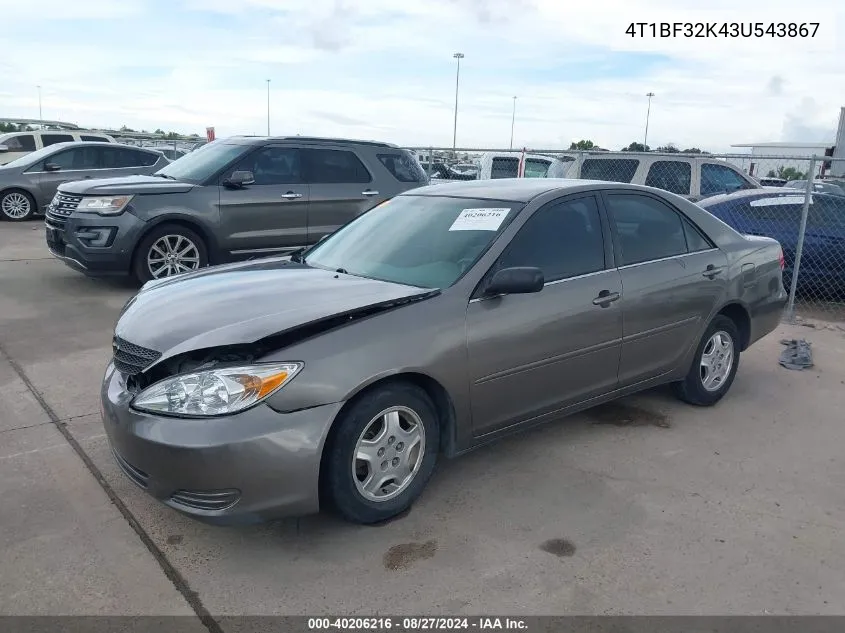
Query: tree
636,147
123,128
7,127
583,145
669,148
694,150
787,173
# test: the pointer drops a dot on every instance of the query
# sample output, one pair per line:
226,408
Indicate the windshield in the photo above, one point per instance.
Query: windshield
423,241
202,163
32,157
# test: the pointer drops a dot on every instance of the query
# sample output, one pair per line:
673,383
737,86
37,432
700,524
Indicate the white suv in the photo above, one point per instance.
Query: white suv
689,176
16,144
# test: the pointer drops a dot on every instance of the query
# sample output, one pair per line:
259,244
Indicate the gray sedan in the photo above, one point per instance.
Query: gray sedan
443,319
28,184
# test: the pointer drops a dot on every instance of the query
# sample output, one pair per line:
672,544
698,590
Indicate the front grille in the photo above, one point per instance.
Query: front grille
63,204
206,500
139,477
131,359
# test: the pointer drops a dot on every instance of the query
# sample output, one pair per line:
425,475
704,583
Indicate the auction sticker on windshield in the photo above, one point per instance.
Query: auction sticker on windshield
479,219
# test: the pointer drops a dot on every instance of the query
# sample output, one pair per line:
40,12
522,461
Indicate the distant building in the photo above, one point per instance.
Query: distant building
761,156
760,160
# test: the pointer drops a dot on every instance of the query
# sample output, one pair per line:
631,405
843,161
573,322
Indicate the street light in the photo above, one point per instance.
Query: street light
268,107
513,119
459,57
40,116
647,114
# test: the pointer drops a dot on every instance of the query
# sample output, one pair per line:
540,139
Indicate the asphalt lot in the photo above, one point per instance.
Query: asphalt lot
645,506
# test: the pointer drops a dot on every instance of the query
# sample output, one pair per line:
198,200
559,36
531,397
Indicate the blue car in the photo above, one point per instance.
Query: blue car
776,212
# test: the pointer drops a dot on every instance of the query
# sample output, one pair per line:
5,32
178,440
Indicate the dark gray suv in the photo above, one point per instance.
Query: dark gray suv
233,199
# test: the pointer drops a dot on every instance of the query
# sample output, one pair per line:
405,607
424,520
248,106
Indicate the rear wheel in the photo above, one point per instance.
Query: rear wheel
16,205
169,250
381,453
715,365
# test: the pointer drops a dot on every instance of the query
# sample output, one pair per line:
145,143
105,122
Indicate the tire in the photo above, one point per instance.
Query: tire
16,205
344,479
692,389
178,237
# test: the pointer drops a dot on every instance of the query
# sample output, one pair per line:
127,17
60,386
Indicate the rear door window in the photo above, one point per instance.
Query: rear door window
52,139
331,166
77,159
20,143
536,168
100,139
612,169
646,228
670,175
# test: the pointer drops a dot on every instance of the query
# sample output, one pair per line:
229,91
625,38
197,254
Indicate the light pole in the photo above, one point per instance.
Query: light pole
459,57
513,120
268,107
647,114
40,116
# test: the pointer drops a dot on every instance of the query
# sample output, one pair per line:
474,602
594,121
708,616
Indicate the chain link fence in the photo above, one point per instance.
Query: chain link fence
797,200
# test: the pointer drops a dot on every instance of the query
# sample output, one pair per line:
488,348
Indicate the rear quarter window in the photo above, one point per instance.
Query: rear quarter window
20,143
99,139
402,166
611,170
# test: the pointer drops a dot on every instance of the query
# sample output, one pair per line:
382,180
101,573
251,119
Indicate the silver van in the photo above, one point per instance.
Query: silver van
13,145
692,177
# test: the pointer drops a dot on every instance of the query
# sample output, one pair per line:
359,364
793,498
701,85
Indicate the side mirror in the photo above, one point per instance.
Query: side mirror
515,280
52,167
240,179
3,148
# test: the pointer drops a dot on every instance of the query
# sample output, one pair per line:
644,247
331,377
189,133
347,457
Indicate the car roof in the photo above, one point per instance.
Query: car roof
516,189
96,144
258,140
763,192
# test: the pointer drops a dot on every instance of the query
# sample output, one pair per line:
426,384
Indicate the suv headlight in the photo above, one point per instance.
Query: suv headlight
104,205
220,391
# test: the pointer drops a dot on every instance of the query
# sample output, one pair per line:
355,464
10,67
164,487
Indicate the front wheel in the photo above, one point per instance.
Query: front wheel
16,205
169,250
381,454
714,367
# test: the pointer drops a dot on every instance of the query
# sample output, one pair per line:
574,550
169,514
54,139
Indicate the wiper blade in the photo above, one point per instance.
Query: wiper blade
342,271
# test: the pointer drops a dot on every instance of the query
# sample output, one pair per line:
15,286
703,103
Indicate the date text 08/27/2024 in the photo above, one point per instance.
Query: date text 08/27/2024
723,29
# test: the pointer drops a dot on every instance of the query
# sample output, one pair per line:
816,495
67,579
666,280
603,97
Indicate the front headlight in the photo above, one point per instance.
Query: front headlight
104,205
220,391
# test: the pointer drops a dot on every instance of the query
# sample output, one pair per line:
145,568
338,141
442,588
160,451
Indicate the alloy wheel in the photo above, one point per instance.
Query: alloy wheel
171,255
16,205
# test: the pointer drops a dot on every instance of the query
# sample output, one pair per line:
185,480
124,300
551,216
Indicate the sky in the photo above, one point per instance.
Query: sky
383,69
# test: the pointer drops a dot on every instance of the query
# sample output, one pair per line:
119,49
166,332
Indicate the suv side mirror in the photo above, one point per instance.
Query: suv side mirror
3,148
515,280
240,179
52,167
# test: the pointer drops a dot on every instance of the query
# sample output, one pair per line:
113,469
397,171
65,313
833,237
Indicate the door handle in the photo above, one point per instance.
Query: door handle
290,195
369,192
711,271
605,298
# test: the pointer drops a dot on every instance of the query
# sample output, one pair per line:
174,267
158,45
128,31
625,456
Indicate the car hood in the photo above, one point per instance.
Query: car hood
246,302
124,186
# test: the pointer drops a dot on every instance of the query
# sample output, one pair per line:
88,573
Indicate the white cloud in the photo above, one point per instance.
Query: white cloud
332,73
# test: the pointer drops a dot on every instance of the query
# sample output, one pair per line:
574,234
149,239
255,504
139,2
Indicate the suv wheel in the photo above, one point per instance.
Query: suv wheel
17,205
169,250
